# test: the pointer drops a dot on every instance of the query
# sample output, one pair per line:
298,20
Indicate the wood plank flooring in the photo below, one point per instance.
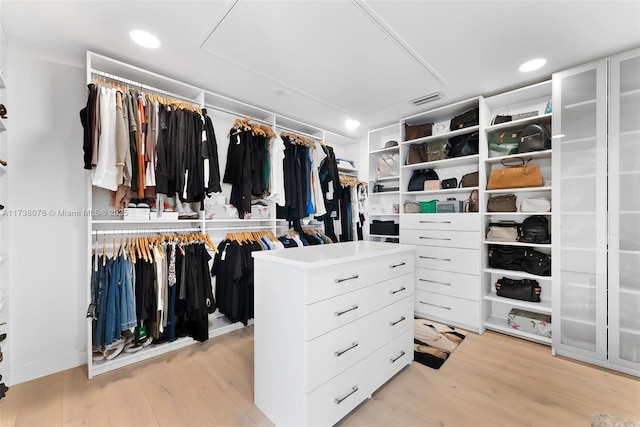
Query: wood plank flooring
490,380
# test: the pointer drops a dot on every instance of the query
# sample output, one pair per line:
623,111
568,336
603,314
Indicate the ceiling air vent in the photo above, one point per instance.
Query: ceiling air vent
427,98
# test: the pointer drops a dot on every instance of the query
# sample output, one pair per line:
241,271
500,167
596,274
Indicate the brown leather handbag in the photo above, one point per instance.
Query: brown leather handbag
517,173
418,153
469,180
502,203
417,131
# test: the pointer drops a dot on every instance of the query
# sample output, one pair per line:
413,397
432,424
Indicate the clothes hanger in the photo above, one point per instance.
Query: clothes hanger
104,251
97,255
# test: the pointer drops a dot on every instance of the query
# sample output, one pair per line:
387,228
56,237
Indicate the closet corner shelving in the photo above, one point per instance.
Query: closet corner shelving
383,205
496,308
449,248
98,199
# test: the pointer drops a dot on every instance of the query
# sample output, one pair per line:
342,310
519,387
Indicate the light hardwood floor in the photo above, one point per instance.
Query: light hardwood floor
490,380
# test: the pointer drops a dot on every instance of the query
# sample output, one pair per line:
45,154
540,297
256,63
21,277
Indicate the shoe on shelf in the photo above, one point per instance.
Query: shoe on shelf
114,349
3,162
190,213
180,208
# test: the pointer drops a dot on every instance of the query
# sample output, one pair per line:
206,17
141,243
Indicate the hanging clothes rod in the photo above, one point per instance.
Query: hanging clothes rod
147,230
317,138
239,227
143,86
237,114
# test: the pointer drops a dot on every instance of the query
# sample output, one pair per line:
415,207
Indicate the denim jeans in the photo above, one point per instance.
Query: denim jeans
127,302
101,282
112,313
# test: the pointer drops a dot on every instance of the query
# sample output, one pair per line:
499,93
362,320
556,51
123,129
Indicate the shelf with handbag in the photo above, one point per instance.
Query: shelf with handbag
437,122
517,160
445,163
384,177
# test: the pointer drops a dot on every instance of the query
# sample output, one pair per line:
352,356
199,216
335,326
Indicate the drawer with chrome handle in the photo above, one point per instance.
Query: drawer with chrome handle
329,314
328,283
448,283
454,221
340,348
451,239
340,395
449,259
391,358
455,311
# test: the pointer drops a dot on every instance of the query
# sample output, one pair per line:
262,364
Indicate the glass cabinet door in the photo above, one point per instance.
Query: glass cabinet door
579,198
624,210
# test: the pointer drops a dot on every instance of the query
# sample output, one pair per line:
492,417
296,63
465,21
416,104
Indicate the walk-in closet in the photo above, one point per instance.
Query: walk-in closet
318,213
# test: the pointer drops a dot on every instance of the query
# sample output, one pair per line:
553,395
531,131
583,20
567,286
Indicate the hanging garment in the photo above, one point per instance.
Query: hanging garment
210,154
276,175
105,174
238,170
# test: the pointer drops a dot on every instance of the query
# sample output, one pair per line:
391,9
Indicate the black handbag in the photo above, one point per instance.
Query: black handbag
449,183
535,229
523,290
416,182
501,119
506,257
467,119
535,262
534,138
463,145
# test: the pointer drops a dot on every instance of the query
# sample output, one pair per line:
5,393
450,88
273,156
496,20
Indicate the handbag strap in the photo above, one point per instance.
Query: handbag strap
515,162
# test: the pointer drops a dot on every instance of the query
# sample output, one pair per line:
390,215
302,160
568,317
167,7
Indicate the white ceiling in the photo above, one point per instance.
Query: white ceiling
324,61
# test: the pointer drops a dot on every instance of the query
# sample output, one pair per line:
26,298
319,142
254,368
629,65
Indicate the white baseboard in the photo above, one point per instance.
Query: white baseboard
22,374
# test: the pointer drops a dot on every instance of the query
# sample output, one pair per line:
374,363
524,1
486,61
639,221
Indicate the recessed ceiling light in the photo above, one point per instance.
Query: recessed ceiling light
352,124
145,39
532,65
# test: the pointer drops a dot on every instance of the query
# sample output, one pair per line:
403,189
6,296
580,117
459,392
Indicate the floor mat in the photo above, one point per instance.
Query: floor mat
434,342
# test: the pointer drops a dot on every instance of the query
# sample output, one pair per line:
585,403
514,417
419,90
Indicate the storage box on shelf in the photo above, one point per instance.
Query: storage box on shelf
384,177
533,99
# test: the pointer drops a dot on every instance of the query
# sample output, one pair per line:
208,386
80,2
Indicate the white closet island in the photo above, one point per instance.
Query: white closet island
333,323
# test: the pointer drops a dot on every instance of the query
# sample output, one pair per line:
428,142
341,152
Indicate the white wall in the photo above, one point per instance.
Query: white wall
47,253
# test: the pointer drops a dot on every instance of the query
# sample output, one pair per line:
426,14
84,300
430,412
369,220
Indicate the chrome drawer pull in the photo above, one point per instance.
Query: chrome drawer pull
397,321
431,257
399,290
355,276
433,281
434,238
340,313
339,400
340,353
435,222
402,353
398,265
435,305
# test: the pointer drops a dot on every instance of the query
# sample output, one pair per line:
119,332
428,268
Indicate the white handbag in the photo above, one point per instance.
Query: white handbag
536,204
388,165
